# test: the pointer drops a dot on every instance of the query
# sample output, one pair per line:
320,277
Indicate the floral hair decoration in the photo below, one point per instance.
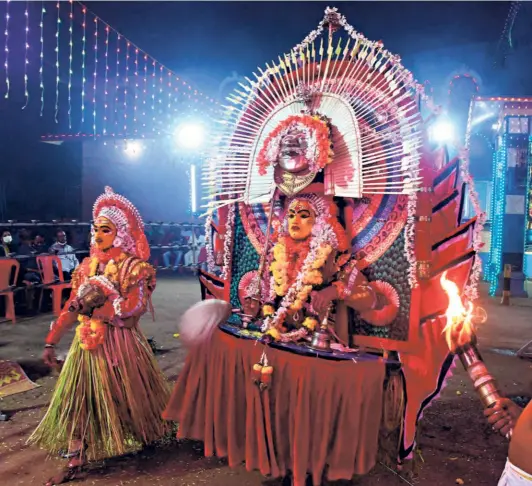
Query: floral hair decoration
130,236
317,130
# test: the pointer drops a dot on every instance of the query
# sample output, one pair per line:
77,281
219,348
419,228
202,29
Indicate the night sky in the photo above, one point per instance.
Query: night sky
207,41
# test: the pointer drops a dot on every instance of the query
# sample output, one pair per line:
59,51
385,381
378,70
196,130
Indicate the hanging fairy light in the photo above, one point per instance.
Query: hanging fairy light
6,49
106,82
26,61
161,85
83,52
41,57
154,88
128,44
145,90
170,94
117,78
71,47
58,30
136,86
95,74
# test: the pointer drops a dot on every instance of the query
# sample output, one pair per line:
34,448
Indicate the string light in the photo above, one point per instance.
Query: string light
117,78
6,49
41,57
106,85
26,61
528,216
71,48
154,88
498,209
83,52
145,91
126,86
170,98
58,5
160,85
95,75
136,86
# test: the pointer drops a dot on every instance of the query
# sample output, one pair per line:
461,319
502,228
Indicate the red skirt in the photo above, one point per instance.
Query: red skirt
318,415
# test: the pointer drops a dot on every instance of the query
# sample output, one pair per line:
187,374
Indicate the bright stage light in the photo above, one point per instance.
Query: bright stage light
442,132
132,148
190,135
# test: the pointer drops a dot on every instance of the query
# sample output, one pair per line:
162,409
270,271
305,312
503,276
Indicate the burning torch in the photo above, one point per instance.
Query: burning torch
461,339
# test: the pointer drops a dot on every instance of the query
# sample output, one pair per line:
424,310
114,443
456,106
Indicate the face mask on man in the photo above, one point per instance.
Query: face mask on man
7,239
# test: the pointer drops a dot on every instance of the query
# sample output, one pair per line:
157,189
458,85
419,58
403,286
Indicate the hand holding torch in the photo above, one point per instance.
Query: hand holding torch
461,339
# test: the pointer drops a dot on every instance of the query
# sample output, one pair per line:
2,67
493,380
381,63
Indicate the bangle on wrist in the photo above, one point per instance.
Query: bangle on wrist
49,346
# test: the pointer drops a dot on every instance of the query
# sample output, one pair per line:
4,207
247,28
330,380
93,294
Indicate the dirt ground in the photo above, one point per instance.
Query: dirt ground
456,444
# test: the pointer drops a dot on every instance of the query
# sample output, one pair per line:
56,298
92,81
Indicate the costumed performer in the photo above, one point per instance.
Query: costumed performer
110,393
311,268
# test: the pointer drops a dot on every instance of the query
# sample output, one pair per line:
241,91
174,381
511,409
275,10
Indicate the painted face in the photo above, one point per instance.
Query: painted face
301,219
104,233
292,156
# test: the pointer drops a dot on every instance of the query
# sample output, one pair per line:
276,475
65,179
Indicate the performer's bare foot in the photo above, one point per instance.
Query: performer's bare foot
65,476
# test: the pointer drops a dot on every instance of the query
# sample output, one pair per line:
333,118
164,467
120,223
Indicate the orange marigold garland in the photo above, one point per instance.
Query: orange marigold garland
318,134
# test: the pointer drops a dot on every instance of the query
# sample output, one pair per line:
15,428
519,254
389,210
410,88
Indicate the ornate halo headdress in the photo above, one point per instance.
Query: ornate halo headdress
370,102
124,215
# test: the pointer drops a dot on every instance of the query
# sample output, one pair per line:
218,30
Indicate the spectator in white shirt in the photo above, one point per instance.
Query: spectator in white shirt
195,242
66,254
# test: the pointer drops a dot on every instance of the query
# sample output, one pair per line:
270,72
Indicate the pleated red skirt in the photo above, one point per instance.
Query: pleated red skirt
318,415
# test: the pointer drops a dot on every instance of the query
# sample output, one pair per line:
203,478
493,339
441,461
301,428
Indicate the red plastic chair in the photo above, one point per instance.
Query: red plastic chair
50,282
7,285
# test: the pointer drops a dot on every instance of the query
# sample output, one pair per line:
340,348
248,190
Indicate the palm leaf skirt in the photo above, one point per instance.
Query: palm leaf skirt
111,398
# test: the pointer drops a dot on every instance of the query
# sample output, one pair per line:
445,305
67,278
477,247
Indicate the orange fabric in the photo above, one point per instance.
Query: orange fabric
316,413
6,282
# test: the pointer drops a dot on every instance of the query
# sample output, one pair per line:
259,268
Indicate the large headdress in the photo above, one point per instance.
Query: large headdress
355,107
129,225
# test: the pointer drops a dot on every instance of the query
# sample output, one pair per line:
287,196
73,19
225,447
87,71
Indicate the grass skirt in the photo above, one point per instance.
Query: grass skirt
111,398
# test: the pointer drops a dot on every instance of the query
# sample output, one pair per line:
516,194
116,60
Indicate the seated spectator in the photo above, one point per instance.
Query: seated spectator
66,254
8,248
29,274
39,244
195,242
177,241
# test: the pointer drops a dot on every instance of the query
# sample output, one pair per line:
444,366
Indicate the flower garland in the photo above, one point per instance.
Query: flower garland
91,331
318,138
327,235
471,288
228,240
410,235
209,246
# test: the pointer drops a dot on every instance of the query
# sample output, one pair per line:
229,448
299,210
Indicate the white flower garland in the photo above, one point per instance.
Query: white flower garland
322,234
209,244
410,235
471,288
228,239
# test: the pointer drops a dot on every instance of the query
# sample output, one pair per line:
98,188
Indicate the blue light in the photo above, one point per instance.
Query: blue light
498,211
527,202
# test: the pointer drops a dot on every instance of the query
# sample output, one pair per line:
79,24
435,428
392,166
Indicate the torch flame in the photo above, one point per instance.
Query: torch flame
460,327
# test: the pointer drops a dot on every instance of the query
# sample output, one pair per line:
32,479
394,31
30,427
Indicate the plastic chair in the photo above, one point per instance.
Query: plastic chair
7,285
55,283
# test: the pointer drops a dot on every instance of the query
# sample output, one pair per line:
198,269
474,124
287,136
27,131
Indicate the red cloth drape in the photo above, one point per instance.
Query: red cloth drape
316,413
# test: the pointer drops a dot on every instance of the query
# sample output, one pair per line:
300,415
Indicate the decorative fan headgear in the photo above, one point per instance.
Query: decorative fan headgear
369,100
124,215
